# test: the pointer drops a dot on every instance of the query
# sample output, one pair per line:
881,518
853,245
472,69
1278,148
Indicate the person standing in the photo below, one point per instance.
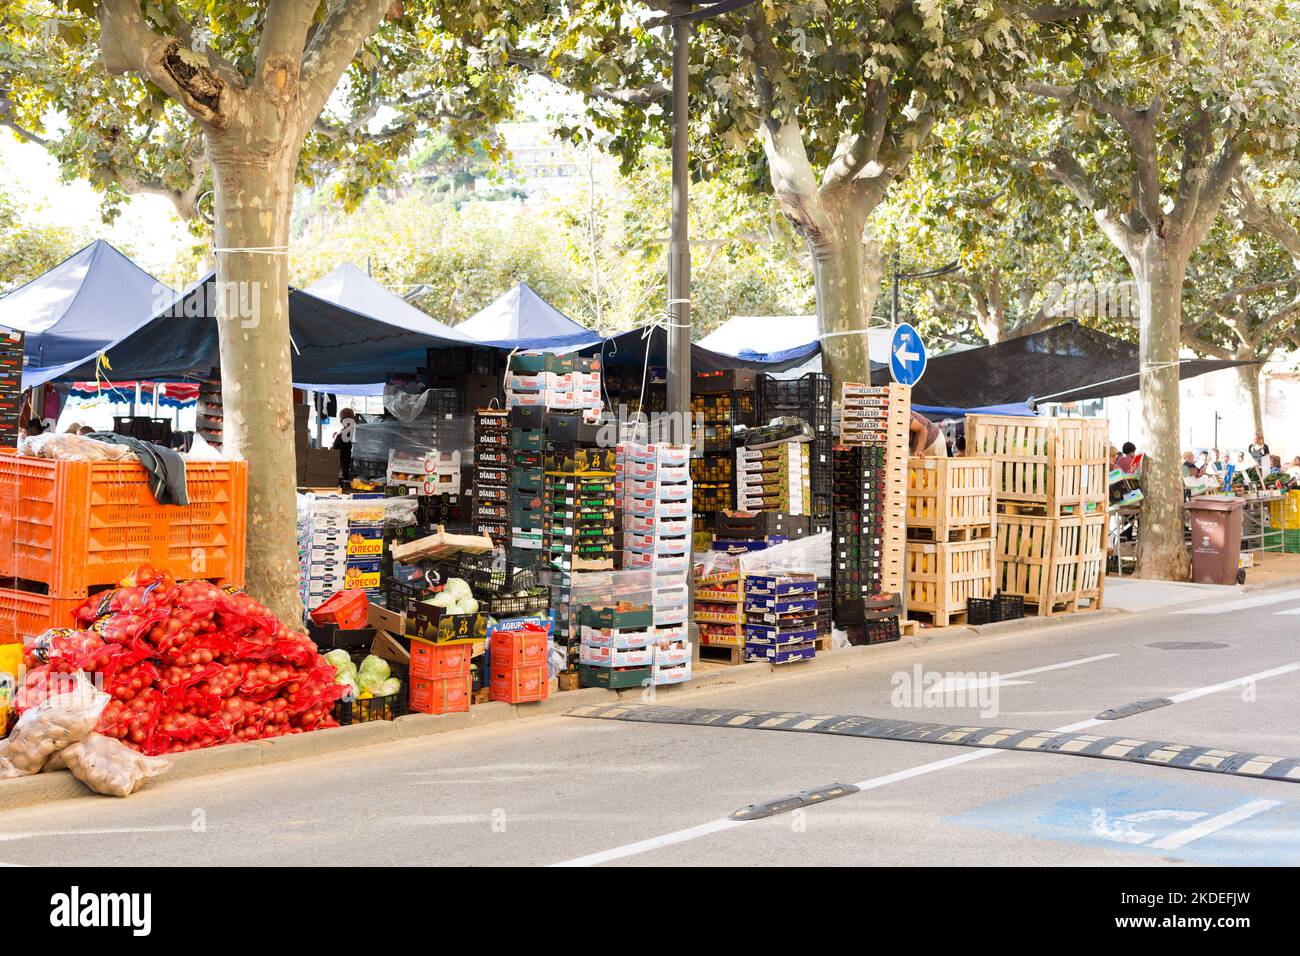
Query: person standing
343,442
1259,451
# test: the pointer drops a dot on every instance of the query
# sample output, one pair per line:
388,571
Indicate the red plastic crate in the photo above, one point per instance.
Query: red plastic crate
440,661
24,616
75,525
449,695
519,685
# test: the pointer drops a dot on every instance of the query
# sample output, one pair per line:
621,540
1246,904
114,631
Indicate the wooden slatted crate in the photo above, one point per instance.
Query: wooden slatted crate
950,499
1053,563
942,576
1045,466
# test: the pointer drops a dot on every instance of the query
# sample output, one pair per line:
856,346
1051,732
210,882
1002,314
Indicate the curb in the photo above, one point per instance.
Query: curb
45,788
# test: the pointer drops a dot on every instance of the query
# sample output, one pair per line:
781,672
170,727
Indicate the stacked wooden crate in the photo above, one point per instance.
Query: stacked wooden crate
1049,478
950,513
879,415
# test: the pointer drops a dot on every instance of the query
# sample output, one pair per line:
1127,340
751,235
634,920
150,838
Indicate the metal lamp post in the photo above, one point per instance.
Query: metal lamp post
679,250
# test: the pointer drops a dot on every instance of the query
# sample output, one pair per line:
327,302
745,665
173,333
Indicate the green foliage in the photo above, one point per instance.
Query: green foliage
28,247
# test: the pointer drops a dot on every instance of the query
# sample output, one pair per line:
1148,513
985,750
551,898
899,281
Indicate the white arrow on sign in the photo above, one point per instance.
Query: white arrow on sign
904,356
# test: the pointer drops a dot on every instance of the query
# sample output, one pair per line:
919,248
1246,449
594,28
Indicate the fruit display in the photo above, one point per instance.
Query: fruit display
187,664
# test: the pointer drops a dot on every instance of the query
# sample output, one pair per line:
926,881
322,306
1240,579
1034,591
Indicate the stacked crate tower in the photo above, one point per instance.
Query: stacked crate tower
719,402
492,474
950,512
1050,479
807,398
870,508
656,503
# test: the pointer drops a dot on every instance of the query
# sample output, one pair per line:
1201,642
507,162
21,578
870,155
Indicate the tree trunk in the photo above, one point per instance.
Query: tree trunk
847,276
253,200
1161,551
1248,379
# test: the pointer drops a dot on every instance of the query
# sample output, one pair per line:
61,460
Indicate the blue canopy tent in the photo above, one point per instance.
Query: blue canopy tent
520,318
332,345
95,296
649,344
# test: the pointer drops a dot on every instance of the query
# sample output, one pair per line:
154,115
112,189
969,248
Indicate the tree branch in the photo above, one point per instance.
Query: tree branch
862,147
129,44
333,45
1267,220
280,47
638,97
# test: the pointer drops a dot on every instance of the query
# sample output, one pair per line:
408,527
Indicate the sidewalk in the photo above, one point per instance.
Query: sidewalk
1134,594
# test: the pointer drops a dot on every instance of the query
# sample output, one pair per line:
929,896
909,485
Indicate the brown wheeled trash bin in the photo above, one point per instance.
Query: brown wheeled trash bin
1216,538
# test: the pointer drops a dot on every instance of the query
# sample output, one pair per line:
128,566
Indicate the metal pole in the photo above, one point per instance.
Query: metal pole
679,250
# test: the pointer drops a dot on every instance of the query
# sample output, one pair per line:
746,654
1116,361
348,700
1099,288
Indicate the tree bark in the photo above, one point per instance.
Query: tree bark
847,275
1248,378
253,200
1161,550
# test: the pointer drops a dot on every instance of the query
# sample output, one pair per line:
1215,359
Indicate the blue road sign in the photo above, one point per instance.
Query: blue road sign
1199,821
907,357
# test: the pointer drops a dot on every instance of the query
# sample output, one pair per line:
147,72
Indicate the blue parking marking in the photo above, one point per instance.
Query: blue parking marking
1207,825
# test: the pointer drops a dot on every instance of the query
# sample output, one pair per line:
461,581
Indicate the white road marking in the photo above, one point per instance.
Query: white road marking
949,684
726,823
1214,824
654,843
1294,610
37,834
1273,597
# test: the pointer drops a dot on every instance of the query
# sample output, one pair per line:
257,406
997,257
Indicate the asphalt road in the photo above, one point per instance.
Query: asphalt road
567,790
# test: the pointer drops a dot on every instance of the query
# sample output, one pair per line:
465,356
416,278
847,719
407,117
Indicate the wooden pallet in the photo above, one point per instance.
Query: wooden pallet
1072,508
1052,462
909,628
823,644
931,536
934,619
723,653
942,576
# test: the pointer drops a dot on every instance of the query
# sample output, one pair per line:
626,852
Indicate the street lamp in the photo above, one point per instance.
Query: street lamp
679,250
900,276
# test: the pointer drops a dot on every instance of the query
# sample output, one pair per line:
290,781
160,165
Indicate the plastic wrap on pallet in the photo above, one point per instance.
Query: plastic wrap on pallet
396,512
812,554
373,441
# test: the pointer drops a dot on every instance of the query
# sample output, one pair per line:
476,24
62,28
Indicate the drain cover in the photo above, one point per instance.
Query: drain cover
1188,645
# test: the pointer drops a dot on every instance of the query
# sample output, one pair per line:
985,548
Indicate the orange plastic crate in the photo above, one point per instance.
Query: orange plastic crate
24,616
75,525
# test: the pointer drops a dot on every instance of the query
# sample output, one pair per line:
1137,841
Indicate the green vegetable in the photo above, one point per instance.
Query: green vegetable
338,657
376,666
392,685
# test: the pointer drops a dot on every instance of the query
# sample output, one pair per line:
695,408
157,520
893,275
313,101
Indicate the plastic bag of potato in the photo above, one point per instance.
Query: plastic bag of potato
64,717
107,765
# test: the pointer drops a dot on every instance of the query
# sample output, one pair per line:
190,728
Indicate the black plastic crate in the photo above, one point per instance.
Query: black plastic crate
811,391
1008,607
368,468
536,601
873,632
389,707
